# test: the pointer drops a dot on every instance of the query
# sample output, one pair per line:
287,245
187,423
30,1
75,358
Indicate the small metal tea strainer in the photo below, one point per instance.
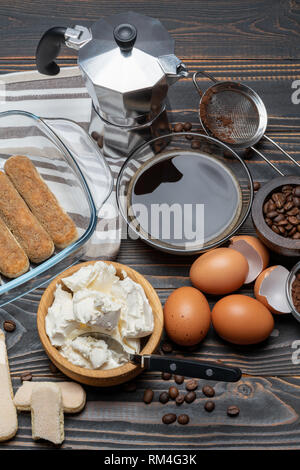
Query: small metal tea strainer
234,114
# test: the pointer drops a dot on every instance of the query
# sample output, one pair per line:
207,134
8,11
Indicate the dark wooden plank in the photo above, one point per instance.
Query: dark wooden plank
269,418
256,29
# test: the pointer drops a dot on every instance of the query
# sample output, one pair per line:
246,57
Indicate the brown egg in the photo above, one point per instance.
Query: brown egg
240,319
186,316
219,271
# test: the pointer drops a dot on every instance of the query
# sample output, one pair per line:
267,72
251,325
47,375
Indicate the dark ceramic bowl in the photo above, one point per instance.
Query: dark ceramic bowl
278,243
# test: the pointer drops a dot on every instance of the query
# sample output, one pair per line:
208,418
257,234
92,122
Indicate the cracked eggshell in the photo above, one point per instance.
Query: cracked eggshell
254,251
269,289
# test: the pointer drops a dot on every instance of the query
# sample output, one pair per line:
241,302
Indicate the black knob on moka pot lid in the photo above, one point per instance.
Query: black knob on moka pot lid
125,36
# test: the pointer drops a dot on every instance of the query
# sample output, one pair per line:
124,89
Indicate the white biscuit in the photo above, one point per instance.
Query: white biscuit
73,396
8,412
47,415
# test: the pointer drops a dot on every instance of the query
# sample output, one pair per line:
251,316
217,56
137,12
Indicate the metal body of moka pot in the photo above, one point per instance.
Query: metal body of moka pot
128,63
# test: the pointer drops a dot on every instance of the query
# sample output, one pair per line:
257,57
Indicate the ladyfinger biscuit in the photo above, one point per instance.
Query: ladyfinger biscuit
8,412
47,416
32,237
13,259
41,200
73,396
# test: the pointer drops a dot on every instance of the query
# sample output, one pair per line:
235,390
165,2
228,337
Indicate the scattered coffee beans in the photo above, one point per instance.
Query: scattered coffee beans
196,144
209,406
164,397
189,137
26,376
208,391
187,126
179,399
179,379
191,385
100,142
167,347
256,185
95,135
9,325
53,368
233,411
178,127
183,419
173,392
169,418
148,396
166,376
190,397
282,212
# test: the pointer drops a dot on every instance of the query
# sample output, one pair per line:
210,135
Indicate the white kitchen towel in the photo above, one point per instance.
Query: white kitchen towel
65,96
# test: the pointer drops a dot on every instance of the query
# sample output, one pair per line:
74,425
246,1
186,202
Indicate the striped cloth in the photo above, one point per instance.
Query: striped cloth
65,96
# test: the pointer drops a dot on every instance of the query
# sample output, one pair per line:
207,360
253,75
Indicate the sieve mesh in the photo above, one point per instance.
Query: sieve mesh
230,116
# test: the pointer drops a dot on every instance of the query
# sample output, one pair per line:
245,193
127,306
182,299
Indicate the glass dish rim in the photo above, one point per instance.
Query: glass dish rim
36,271
179,250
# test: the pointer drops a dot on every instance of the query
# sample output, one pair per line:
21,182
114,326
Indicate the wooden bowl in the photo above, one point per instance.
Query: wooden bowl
100,378
277,243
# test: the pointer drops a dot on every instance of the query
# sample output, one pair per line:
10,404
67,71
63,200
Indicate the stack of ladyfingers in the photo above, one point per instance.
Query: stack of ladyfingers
32,221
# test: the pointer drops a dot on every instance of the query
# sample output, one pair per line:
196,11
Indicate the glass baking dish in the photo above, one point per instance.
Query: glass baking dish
74,169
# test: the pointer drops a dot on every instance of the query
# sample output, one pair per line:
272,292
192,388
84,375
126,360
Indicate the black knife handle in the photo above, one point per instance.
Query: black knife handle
192,368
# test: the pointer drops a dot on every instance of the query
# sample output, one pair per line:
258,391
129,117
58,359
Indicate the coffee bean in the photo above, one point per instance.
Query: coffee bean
288,205
189,136
164,397
190,397
296,191
148,396
183,419
26,376
291,232
166,376
281,230
208,391
275,229
167,347
272,214
179,379
196,144
266,207
296,236
279,218
293,211
288,227
95,135
287,188
187,126
296,201
209,406
233,411
9,325
178,127
293,220
179,399
282,222
191,385
256,185
169,418
100,142
129,386
53,368
269,222
173,392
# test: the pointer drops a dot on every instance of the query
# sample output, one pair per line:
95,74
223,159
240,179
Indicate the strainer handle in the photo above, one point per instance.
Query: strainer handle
282,150
267,160
205,74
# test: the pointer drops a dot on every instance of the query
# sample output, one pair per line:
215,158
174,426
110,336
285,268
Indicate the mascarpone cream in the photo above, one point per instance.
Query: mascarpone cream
99,301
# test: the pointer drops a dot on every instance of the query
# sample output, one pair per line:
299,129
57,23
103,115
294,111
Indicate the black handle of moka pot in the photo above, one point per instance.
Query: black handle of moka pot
48,50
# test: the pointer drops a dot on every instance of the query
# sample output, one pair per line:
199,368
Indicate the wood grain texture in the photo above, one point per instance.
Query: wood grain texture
257,43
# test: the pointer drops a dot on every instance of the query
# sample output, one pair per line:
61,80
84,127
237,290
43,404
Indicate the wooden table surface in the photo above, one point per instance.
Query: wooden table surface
256,42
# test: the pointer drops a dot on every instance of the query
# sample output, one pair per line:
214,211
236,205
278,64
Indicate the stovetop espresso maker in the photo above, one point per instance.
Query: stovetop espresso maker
128,63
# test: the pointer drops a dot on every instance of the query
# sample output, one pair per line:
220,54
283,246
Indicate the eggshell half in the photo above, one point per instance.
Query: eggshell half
187,316
243,320
219,271
254,251
269,289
